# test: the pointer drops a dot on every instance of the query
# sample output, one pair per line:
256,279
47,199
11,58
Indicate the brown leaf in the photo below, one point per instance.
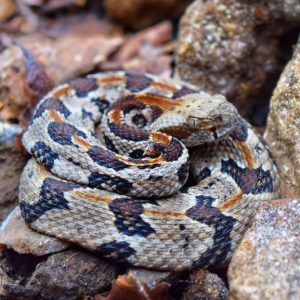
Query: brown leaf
75,49
127,287
155,35
78,54
7,9
160,65
13,98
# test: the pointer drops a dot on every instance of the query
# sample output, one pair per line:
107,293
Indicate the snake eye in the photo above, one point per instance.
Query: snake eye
139,120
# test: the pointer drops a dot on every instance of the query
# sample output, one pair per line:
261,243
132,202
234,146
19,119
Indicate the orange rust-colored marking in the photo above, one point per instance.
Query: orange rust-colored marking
93,197
42,172
81,142
138,163
180,133
54,116
116,116
112,80
161,102
163,214
247,154
62,92
159,137
164,87
231,201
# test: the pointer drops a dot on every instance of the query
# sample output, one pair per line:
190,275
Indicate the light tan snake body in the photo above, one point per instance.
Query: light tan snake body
137,194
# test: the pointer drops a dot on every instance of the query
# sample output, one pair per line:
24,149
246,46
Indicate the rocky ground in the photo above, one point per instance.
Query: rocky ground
246,50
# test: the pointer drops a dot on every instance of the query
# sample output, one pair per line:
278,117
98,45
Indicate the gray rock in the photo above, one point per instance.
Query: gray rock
205,285
266,264
283,128
16,235
72,275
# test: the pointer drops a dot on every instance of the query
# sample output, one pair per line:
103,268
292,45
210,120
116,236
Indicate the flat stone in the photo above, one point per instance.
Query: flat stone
266,264
205,285
283,127
72,275
16,235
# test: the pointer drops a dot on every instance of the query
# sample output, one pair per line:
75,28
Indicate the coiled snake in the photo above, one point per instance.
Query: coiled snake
110,167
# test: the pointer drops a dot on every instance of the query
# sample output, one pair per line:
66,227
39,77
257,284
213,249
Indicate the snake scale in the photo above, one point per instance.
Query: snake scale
143,170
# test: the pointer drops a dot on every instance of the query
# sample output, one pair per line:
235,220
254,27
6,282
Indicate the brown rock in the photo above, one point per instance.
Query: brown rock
287,11
72,275
230,47
283,128
10,289
142,13
16,235
205,285
266,264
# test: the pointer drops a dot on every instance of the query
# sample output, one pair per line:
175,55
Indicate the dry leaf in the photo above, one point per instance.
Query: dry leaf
155,35
127,287
7,9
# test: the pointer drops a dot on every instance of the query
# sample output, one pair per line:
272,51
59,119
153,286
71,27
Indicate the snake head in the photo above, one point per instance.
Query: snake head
208,118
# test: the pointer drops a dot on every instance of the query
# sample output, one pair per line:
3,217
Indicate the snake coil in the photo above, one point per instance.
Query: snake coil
148,171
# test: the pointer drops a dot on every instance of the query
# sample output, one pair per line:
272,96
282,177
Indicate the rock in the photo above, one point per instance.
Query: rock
205,285
138,14
283,127
284,11
11,165
72,275
150,277
15,234
230,47
266,264
10,289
